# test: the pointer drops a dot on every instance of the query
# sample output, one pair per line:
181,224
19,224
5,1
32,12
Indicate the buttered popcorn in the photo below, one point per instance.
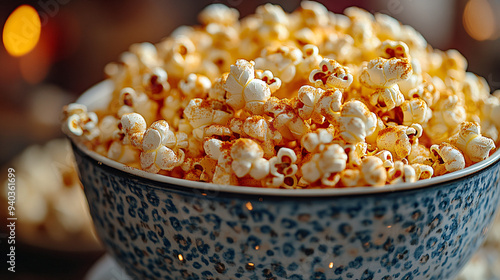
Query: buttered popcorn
308,99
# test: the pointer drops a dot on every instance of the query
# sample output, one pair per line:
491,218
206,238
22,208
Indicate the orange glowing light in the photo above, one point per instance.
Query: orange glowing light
249,206
181,258
479,20
330,265
21,31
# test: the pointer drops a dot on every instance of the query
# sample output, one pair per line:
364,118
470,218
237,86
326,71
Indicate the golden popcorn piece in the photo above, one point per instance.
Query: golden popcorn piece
423,171
202,113
123,153
195,86
447,115
156,84
394,49
132,101
447,158
274,22
387,159
267,76
286,120
470,141
399,139
219,14
373,171
331,75
401,173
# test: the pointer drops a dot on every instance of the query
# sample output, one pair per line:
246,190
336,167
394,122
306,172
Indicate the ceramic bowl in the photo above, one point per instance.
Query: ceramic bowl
157,227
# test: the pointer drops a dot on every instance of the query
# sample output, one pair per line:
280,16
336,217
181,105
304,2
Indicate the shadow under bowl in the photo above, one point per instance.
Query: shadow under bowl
158,227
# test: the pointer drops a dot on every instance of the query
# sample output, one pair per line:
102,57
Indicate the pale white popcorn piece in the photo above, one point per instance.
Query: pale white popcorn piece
283,168
317,104
447,114
156,84
373,171
217,91
132,101
401,173
203,113
470,141
213,148
387,98
316,141
325,166
79,122
356,121
123,153
281,61
256,127
350,177
384,73
219,14
133,126
267,76
386,158
161,159
274,22
108,128
314,14
423,171
180,56
195,86
244,91
331,74
248,159
310,59
414,110
447,158
399,139
286,121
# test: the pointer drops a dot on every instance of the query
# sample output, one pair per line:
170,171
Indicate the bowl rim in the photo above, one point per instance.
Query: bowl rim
94,99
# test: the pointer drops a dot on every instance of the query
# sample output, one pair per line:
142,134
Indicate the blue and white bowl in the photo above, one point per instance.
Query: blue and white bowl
158,227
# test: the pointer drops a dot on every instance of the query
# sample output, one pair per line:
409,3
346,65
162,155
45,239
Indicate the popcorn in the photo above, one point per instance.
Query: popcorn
316,103
248,159
132,101
203,113
414,110
281,61
195,86
286,121
79,122
155,83
331,74
325,166
283,168
244,91
447,158
300,100
470,141
385,73
401,173
356,122
373,171
399,139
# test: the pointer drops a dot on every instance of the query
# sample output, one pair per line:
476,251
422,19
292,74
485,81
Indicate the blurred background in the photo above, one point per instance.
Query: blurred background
78,38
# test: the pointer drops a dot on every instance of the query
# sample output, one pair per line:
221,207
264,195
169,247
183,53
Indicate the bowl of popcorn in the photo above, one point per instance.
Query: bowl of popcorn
303,145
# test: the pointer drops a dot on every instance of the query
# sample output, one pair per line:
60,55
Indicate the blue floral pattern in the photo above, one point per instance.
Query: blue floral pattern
158,232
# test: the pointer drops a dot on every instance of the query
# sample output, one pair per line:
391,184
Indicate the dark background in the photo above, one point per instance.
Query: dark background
80,37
